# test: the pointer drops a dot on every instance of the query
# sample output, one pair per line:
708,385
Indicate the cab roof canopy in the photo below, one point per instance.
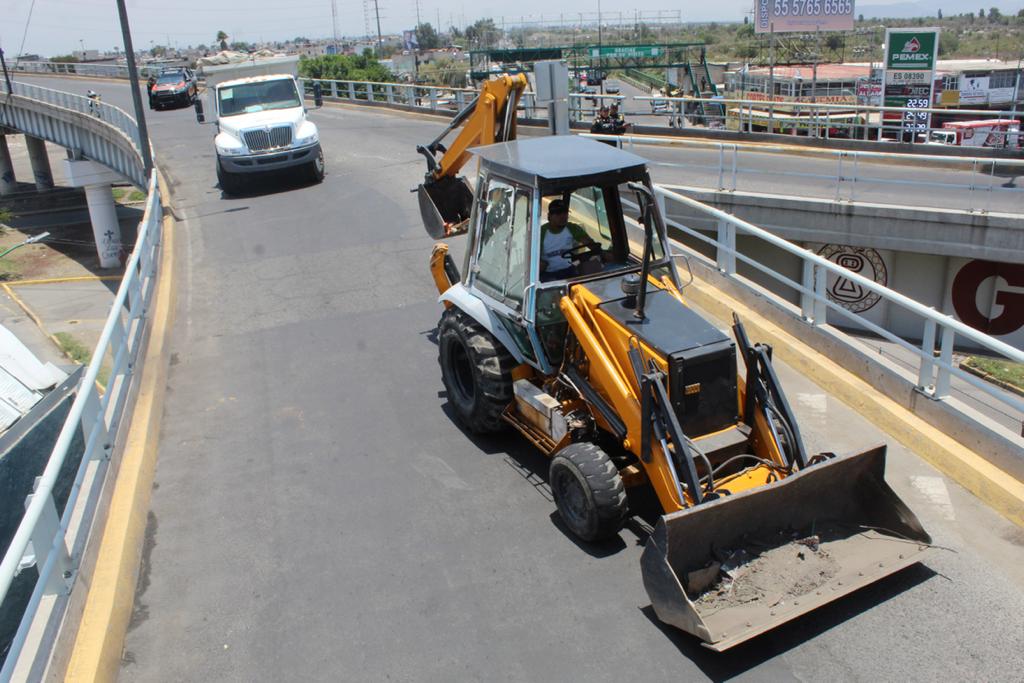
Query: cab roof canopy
562,162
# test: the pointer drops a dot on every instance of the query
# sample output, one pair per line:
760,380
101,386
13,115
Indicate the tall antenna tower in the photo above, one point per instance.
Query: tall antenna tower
334,24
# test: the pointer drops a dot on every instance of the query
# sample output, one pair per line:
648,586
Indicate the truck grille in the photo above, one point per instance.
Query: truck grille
256,140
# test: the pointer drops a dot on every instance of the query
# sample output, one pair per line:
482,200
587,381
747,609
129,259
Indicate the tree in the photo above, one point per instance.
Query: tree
444,71
981,14
222,38
994,15
344,68
427,37
860,18
65,59
940,14
483,32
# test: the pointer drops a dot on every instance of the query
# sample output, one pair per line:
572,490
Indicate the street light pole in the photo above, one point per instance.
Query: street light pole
133,77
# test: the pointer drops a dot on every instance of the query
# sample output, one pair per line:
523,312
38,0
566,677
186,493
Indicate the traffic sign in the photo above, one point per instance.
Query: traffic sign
626,51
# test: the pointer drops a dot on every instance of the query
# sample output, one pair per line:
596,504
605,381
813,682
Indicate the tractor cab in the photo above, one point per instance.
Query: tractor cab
520,262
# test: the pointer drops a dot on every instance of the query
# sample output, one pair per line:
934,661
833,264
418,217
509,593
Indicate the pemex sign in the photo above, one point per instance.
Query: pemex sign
909,81
911,50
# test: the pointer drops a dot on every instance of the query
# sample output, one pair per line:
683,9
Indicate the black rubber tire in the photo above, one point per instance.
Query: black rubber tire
228,181
317,168
588,491
476,370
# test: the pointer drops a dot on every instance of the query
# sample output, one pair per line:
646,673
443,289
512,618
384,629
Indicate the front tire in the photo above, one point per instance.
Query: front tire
229,183
476,370
317,168
588,491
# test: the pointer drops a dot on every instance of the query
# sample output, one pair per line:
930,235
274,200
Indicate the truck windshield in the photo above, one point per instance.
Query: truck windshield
253,97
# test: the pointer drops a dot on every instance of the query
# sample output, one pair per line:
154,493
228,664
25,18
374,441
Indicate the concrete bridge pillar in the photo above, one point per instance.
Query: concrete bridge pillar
40,162
96,179
8,182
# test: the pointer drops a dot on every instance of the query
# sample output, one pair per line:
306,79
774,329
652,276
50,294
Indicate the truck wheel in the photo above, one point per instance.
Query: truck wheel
317,167
228,181
588,491
476,370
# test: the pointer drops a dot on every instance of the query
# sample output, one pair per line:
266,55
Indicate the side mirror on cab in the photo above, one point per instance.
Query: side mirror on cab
318,94
200,117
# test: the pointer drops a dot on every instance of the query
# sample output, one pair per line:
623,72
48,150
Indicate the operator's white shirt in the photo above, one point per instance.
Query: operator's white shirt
553,246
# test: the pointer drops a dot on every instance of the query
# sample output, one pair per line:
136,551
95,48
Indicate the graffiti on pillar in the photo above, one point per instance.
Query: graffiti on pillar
863,261
110,247
1005,313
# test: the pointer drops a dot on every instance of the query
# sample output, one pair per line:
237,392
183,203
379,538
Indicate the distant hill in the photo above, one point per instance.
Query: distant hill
930,8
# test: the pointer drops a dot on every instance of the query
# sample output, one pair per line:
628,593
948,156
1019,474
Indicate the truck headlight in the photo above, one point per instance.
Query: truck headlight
308,140
230,151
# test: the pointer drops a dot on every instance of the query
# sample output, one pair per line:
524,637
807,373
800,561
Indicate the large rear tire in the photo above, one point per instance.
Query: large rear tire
477,371
588,491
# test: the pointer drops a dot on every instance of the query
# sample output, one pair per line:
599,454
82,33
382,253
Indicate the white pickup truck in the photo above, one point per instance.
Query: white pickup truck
257,106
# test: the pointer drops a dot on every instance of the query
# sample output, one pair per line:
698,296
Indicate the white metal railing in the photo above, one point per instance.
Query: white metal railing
933,374
54,542
975,189
825,120
814,119
83,69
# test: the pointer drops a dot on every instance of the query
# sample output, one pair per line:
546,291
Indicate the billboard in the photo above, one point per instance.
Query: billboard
909,81
786,16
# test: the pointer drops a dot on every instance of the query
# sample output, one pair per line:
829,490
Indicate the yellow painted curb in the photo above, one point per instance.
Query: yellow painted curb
96,653
31,314
56,280
998,489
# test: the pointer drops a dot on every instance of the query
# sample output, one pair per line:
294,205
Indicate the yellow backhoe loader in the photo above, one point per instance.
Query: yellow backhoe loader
603,366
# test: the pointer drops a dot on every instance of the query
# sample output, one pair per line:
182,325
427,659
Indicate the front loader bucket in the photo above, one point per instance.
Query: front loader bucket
735,567
445,206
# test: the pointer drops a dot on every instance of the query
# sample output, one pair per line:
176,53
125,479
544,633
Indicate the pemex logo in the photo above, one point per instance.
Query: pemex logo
912,52
912,45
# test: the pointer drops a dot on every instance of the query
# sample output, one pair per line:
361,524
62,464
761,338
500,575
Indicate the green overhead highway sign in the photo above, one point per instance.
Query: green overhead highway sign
627,51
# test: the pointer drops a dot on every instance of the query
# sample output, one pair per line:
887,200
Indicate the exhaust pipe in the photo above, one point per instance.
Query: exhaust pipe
733,568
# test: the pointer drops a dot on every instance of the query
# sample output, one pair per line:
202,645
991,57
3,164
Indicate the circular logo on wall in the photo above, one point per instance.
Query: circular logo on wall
861,260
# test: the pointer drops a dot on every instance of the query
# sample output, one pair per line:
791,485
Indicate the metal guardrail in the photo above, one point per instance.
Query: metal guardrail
933,374
818,120
848,175
54,543
83,69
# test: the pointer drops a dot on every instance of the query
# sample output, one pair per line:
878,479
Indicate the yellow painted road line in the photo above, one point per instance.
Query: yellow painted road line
96,653
56,280
998,489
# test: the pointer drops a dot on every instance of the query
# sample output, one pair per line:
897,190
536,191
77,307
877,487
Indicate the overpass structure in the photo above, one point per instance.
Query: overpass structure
314,514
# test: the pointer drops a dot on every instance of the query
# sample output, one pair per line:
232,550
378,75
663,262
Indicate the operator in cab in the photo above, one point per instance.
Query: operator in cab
558,235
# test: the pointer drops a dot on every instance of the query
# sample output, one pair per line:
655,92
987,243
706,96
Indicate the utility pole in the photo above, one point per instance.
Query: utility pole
133,77
380,39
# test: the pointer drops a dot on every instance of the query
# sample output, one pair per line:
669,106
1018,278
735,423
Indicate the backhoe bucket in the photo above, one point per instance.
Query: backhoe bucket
445,206
733,568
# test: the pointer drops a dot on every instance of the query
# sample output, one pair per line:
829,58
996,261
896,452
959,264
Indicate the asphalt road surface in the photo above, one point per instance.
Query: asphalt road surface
317,514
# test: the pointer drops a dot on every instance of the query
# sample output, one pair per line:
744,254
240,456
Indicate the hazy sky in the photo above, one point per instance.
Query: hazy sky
60,26
57,26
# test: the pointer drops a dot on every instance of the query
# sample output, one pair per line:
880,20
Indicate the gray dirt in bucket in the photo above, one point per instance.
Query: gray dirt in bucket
764,570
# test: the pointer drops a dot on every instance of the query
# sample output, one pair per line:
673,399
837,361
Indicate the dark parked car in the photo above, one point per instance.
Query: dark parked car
174,88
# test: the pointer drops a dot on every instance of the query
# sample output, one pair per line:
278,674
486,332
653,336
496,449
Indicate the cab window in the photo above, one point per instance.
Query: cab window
501,256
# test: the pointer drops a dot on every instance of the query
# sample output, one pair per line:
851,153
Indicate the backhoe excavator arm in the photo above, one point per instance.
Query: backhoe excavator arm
445,199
